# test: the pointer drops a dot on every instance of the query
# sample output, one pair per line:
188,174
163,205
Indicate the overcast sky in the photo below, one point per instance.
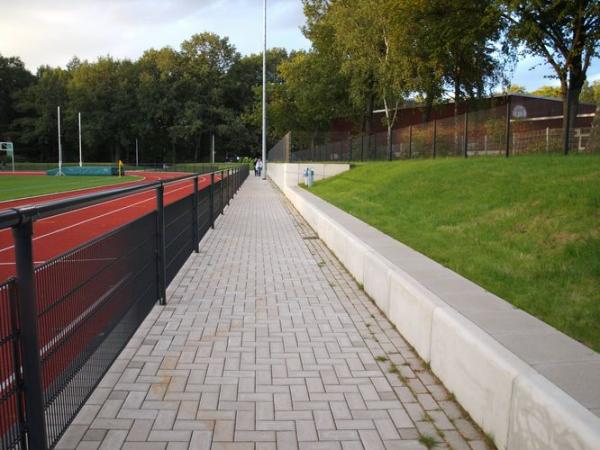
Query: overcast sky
53,31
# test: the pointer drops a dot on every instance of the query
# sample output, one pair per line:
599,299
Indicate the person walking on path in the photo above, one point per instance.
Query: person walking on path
258,167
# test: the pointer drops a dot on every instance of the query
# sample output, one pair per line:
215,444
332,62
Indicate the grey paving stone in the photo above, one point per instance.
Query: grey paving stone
266,343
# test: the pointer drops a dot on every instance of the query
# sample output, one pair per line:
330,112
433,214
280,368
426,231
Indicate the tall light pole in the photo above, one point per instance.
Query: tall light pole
137,154
80,153
264,95
59,144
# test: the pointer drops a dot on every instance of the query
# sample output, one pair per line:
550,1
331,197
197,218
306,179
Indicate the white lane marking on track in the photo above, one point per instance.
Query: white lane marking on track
7,230
95,217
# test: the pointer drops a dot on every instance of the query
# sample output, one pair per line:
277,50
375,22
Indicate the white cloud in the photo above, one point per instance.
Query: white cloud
52,32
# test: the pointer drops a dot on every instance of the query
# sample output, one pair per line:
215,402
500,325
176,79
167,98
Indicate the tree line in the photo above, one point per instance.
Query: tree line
382,54
365,55
171,100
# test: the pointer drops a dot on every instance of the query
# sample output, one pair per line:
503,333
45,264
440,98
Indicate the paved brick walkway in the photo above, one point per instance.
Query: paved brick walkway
267,342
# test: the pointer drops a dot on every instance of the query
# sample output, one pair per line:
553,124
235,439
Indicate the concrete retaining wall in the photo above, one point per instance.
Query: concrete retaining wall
522,381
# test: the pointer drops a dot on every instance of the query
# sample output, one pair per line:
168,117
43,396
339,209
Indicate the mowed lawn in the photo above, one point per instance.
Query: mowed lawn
19,186
525,228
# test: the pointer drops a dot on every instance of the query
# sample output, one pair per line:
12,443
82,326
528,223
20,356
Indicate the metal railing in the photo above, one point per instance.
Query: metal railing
63,323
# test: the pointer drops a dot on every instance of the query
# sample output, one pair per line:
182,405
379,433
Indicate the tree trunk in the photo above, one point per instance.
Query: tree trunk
570,110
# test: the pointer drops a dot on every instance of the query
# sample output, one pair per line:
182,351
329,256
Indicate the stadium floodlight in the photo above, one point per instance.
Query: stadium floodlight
9,149
60,172
137,154
80,153
264,95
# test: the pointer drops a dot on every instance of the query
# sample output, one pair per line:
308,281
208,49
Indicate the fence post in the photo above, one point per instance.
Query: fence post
410,142
16,359
507,136
211,201
434,137
161,253
465,134
547,139
195,217
223,192
30,348
391,145
349,148
228,186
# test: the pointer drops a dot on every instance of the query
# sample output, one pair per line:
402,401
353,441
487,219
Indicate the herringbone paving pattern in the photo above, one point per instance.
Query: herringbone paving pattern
267,342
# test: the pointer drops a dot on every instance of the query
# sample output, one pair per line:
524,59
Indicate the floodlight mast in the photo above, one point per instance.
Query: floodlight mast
80,153
264,95
59,144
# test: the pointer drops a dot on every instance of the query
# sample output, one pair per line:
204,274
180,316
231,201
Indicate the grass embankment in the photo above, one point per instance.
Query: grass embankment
525,228
19,186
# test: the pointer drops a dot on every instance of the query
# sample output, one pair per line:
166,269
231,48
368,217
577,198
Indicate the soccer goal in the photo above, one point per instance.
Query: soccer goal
9,149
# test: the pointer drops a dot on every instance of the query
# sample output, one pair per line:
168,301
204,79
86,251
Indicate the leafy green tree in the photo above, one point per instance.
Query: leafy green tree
160,80
320,29
516,89
13,77
460,38
371,35
37,103
207,60
590,92
102,92
548,91
245,98
566,34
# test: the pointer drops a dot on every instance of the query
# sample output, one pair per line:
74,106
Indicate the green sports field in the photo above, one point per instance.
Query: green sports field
525,228
19,186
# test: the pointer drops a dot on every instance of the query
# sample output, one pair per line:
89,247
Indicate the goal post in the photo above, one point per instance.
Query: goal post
10,151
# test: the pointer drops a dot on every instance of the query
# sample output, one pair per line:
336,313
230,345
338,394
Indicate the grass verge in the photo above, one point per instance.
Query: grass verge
19,186
525,228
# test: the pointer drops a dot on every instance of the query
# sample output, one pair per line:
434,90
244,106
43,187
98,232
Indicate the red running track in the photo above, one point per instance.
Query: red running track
58,234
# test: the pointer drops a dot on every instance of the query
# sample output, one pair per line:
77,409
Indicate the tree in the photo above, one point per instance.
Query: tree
590,93
548,91
104,92
371,35
243,98
516,89
455,42
207,60
566,33
13,77
320,29
37,104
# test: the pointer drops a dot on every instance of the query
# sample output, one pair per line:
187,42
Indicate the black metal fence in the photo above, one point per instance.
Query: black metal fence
475,133
63,323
